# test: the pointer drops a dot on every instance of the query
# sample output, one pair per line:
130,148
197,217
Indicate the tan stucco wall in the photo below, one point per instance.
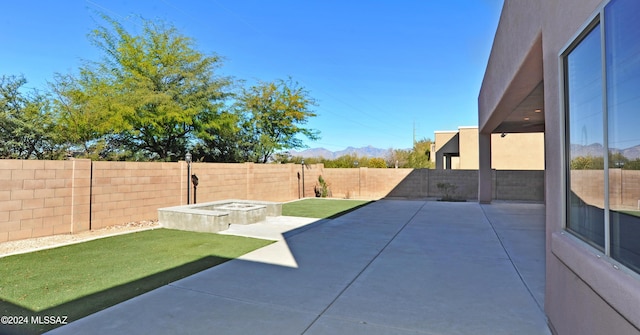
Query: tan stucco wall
586,292
518,151
441,138
513,56
468,148
446,142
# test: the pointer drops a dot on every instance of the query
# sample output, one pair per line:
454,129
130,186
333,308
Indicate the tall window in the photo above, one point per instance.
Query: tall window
586,150
603,132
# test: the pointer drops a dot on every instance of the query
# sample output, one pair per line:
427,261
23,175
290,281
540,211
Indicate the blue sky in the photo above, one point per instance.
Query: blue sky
378,69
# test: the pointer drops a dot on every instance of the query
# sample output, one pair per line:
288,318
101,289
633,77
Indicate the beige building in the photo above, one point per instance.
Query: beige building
577,62
513,151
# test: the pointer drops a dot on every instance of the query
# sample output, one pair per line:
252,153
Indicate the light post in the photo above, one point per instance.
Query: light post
299,185
356,166
303,178
187,158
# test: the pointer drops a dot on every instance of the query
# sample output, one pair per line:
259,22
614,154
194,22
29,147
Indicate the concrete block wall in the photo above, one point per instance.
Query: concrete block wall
311,174
414,185
465,182
423,183
589,186
365,183
518,185
41,198
508,184
275,182
624,187
123,192
219,181
629,189
343,182
378,183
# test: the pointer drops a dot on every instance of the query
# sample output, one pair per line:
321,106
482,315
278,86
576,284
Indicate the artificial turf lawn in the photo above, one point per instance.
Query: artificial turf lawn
629,212
321,208
80,279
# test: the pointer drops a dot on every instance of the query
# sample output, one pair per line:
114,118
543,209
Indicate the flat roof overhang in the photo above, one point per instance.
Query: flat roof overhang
520,108
526,117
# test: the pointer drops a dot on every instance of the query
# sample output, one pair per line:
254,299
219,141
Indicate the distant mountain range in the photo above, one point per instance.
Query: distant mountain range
596,150
577,150
367,151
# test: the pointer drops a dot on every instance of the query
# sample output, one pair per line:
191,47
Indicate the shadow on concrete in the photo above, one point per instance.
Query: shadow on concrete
423,184
337,215
509,185
79,308
396,267
93,303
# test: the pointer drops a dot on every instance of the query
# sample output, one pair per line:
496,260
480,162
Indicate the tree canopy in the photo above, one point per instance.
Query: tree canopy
419,157
616,161
273,114
149,93
27,126
152,96
416,158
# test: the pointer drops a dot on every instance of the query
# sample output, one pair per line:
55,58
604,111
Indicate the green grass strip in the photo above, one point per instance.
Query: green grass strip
80,279
629,212
321,208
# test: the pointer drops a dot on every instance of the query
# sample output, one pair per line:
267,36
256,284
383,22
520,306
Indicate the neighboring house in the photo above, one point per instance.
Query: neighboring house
513,151
578,61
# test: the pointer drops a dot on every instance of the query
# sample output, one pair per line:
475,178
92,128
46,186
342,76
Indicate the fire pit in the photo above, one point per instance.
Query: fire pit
218,215
240,213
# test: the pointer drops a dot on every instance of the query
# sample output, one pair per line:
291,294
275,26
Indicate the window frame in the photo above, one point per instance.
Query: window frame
583,32
597,18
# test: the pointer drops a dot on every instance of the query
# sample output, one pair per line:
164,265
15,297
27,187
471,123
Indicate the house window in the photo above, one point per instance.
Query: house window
602,101
586,149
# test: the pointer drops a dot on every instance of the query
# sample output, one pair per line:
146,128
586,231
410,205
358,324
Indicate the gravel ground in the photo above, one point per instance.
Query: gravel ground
39,243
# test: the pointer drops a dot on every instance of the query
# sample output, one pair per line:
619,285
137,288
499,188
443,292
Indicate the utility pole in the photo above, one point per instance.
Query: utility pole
414,133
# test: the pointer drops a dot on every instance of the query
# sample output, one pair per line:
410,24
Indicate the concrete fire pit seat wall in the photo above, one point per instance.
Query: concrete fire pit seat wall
191,219
273,208
216,216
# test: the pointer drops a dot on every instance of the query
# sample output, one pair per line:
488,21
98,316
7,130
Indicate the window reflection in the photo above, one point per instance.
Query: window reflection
586,151
622,33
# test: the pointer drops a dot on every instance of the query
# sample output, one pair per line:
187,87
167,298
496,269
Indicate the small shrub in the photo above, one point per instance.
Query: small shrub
322,189
448,191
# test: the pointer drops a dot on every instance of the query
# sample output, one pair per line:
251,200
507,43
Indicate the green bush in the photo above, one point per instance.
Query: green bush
322,190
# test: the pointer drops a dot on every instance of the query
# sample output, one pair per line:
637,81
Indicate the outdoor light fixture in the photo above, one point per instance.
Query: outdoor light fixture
503,134
187,158
194,181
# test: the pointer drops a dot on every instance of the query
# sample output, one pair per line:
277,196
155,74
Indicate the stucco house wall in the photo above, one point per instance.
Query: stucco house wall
586,291
446,144
469,148
518,151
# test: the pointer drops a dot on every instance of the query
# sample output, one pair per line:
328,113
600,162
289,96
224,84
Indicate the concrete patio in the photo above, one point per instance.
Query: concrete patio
392,267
